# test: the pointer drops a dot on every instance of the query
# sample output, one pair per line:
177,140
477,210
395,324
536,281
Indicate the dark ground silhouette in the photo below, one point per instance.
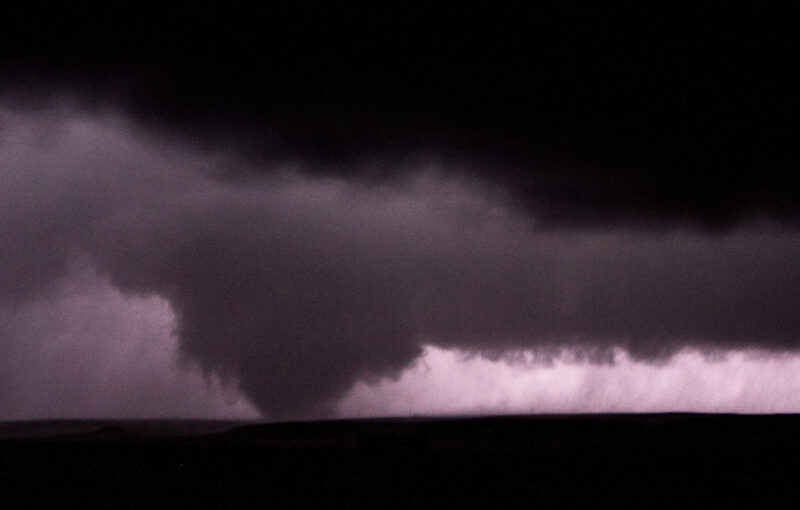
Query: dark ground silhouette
676,460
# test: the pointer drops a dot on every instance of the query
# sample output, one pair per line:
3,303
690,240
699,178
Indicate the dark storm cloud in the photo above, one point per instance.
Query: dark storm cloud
592,115
298,286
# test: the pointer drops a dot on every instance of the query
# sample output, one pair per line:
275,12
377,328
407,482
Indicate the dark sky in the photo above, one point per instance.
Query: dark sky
594,114
318,194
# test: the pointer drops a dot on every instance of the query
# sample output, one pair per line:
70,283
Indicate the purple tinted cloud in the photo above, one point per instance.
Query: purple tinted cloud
84,350
452,382
297,287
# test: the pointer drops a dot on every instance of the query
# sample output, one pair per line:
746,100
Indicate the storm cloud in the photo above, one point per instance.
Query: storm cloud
296,284
84,350
590,114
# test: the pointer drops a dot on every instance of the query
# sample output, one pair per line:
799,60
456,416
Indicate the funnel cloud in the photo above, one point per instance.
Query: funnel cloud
314,199
295,285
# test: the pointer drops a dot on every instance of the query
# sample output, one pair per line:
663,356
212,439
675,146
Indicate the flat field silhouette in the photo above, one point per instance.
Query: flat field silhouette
688,460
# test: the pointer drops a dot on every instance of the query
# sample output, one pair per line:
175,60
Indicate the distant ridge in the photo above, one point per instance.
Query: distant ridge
141,428
509,432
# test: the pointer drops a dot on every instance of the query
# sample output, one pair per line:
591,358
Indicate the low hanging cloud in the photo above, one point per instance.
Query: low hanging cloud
297,285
